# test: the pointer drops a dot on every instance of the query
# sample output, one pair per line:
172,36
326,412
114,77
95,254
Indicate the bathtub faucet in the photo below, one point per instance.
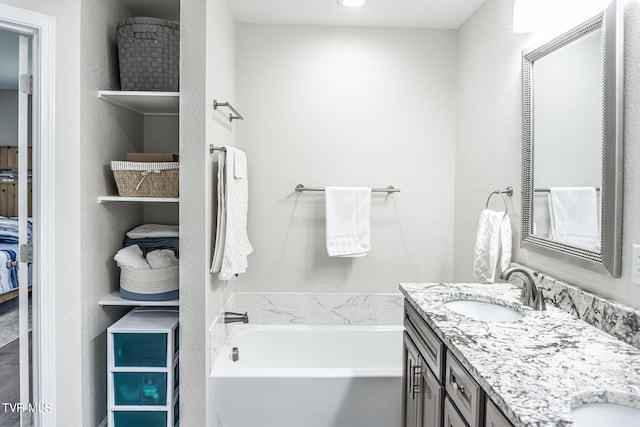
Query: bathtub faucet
232,317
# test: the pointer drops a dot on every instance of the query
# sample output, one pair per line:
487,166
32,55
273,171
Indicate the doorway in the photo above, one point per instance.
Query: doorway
27,184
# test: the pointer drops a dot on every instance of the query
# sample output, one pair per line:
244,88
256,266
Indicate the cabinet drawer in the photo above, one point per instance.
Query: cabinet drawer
140,350
494,417
463,391
140,388
139,419
429,345
451,416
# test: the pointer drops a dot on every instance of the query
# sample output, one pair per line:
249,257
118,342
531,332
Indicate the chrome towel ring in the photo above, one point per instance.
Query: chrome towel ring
508,191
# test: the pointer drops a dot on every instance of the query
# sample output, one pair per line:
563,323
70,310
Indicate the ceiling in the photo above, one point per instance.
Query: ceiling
435,14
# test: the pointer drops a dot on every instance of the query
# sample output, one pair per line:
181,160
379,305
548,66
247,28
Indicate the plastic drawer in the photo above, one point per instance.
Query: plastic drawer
140,388
140,419
176,376
140,350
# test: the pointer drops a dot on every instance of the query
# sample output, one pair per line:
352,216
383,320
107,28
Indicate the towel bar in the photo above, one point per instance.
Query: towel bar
389,189
232,116
508,191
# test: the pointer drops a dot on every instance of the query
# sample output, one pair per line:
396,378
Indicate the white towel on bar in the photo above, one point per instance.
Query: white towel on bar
575,216
347,216
221,218
235,197
493,245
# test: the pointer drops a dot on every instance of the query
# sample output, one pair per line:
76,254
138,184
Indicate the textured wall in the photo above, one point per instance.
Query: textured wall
347,106
207,72
107,133
488,152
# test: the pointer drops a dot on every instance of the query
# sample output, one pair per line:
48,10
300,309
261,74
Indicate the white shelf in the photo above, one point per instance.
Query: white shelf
145,103
113,299
113,199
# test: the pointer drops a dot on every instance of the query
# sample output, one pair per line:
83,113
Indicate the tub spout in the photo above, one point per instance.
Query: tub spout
232,317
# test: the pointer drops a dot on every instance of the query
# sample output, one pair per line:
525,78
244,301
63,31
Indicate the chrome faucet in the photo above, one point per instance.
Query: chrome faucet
531,294
232,317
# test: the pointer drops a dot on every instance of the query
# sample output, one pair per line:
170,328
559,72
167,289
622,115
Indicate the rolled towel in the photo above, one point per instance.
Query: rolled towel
162,258
131,257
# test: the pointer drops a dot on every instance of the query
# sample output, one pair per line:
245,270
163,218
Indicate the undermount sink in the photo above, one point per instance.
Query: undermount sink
481,310
605,414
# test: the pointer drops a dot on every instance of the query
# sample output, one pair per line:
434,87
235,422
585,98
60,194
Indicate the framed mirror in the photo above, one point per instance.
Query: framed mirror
572,143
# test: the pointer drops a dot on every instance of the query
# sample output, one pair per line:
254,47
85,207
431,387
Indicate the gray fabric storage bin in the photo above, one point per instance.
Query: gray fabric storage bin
149,54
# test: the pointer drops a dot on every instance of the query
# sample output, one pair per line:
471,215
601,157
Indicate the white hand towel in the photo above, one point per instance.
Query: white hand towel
153,230
132,257
236,245
575,216
162,258
221,216
347,216
493,244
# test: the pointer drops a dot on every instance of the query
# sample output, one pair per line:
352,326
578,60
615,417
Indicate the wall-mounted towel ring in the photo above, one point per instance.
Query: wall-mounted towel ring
508,191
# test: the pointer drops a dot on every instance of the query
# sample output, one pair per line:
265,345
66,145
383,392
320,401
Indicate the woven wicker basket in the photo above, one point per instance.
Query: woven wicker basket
147,179
149,54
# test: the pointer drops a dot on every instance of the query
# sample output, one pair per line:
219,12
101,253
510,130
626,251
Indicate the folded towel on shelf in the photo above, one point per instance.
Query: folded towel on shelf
493,245
347,217
232,245
131,257
153,230
162,258
575,216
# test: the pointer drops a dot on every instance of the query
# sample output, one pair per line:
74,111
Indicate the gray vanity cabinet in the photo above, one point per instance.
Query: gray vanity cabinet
437,389
423,391
494,418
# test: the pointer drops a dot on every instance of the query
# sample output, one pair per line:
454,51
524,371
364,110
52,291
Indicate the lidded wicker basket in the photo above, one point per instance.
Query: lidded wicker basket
149,54
147,179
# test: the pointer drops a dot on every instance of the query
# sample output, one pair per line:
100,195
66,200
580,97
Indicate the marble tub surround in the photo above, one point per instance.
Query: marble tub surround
219,331
536,368
321,308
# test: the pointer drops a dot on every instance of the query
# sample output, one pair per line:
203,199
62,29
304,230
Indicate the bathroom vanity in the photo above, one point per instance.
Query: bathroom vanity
436,385
463,367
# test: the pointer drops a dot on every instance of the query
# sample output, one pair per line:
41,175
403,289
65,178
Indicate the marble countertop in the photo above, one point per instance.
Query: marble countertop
537,368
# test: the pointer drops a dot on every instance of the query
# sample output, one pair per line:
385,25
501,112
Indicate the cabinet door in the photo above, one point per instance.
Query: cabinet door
410,401
430,408
451,416
494,418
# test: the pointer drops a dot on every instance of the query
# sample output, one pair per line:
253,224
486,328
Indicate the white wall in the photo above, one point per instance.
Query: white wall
347,106
207,62
107,133
68,306
9,117
488,152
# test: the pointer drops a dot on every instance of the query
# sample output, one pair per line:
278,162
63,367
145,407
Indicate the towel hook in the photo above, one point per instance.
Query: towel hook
508,191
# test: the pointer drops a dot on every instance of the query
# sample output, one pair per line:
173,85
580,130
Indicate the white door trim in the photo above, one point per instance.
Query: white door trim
42,28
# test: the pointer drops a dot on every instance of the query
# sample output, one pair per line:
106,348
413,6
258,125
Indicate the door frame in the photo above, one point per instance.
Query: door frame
42,28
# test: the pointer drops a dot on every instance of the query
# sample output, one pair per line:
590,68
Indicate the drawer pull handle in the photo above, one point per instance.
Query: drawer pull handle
415,390
458,388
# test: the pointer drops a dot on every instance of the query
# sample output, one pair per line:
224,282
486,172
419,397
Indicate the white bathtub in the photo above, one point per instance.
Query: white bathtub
309,376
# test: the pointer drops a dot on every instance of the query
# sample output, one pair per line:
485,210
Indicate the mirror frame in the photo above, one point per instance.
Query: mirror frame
610,254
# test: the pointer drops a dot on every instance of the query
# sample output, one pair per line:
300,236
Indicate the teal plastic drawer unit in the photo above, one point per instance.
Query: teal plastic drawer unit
143,368
148,350
139,419
140,388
